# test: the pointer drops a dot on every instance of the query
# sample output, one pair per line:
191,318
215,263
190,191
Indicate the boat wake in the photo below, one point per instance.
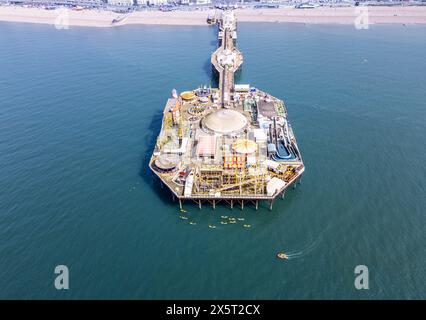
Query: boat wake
308,248
311,245
304,251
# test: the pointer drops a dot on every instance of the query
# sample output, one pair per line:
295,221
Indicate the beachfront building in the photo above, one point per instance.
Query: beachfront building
202,2
151,2
120,3
158,2
194,2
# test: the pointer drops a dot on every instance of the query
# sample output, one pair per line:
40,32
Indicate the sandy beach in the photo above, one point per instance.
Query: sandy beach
323,15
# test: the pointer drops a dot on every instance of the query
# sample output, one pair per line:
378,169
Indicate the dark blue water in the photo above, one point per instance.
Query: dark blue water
79,113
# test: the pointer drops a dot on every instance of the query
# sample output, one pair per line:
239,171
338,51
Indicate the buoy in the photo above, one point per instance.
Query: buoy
224,217
282,255
246,225
224,222
212,226
193,223
232,221
241,219
184,218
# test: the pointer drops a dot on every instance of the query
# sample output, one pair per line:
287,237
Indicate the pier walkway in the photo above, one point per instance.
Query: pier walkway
227,58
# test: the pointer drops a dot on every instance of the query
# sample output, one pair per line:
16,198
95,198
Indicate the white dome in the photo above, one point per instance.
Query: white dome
225,121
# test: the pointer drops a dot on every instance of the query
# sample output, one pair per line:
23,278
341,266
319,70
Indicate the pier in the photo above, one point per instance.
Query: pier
233,144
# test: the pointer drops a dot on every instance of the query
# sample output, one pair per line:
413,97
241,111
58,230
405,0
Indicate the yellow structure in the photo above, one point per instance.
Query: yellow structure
245,146
187,95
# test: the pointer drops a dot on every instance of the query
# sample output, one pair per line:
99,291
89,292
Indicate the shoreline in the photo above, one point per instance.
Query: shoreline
103,18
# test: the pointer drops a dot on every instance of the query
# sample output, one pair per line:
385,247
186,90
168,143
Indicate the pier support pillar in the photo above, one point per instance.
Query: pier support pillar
214,204
242,204
180,204
199,204
257,204
294,184
300,180
232,204
283,194
270,204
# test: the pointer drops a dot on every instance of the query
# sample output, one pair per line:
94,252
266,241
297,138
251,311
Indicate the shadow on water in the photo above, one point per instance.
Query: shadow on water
145,172
211,72
238,74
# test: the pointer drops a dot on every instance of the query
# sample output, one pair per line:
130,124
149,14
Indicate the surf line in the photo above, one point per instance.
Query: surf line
192,311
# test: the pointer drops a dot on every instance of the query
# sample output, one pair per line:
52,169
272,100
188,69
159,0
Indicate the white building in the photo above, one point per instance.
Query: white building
121,3
202,2
151,2
195,2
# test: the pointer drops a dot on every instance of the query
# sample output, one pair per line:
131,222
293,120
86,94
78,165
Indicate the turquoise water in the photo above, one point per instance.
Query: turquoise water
79,113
